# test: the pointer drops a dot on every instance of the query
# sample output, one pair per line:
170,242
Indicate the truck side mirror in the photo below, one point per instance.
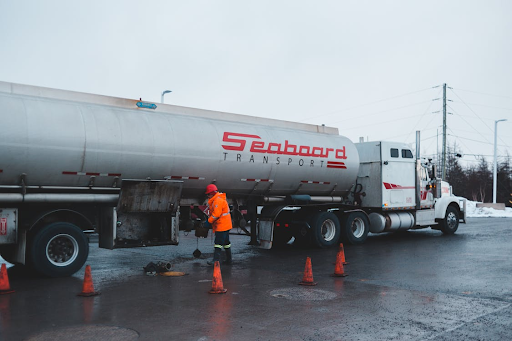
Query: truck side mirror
434,171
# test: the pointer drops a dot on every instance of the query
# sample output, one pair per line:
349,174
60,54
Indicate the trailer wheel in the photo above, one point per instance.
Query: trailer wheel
450,223
325,229
59,250
356,228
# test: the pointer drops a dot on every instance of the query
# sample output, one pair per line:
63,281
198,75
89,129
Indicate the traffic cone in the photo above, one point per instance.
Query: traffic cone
343,254
88,287
338,269
5,288
308,274
217,286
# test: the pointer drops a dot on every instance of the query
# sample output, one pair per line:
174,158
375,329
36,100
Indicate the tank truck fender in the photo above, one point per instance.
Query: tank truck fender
442,204
65,215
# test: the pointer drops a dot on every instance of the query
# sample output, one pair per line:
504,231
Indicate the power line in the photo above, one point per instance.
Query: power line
405,141
380,112
459,138
368,125
483,93
489,106
462,117
477,117
414,129
471,110
464,138
366,104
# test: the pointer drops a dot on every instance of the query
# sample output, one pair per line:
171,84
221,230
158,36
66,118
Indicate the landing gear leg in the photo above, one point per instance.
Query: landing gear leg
253,214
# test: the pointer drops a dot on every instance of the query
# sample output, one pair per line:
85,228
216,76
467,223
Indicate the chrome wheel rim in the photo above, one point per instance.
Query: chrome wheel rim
451,220
62,250
357,227
328,230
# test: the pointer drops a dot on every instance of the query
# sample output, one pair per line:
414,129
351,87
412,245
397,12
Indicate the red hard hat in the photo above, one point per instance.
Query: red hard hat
211,188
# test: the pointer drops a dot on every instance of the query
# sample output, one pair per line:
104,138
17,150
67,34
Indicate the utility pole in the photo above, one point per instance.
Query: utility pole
437,149
443,176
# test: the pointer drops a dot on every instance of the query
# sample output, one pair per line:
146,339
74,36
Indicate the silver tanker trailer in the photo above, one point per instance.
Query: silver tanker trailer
135,172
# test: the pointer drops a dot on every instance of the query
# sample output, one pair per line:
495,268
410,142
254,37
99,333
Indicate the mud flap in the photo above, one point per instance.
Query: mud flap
266,233
266,225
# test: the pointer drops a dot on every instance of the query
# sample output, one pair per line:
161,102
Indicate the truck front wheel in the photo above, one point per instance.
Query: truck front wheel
59,250
356,228
450,223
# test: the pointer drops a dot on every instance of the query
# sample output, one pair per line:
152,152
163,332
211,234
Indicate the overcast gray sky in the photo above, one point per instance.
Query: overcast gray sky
369,68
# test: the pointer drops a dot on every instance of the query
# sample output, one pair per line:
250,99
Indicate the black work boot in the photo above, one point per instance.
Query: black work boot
229,259
216,256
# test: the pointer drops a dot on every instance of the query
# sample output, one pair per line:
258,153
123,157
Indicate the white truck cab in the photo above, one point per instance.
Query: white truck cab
400,193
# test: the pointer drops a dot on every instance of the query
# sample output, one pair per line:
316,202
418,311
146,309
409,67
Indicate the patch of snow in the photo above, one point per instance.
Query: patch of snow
480,212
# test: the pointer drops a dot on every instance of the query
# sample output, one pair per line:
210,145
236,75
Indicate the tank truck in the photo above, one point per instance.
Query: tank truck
135,172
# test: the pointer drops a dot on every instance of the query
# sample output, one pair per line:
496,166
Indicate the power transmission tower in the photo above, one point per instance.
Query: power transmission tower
443,175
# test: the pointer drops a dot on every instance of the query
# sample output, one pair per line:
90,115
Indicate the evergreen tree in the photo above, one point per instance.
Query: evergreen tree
504,182
455,175
484,180
473,184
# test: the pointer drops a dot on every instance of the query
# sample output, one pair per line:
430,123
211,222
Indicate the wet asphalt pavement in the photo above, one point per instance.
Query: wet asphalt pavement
418,285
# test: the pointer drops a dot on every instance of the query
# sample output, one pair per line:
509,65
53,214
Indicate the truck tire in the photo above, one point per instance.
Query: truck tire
325,229
450,223
355,228
59,250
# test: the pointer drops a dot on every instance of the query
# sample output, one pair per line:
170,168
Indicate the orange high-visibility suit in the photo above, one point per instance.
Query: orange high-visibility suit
220,218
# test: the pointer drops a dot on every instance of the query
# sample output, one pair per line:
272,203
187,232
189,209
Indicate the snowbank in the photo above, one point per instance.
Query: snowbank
479,212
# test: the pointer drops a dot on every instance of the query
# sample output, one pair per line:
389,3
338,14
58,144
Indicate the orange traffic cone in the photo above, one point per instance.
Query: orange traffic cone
308,274
217,286
5,288
88,287
343,254
338,269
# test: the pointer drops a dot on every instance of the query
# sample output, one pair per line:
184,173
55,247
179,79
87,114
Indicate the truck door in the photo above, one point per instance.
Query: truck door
398,176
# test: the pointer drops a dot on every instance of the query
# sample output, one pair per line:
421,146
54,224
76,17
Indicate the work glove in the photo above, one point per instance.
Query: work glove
207,225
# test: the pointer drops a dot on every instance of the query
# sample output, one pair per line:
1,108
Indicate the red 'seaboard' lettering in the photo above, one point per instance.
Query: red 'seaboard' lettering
238,142
241,143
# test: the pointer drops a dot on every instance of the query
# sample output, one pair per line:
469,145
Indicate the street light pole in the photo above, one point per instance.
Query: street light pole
163,93
495,169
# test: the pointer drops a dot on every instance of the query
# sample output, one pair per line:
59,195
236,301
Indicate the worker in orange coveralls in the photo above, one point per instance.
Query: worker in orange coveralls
220,220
